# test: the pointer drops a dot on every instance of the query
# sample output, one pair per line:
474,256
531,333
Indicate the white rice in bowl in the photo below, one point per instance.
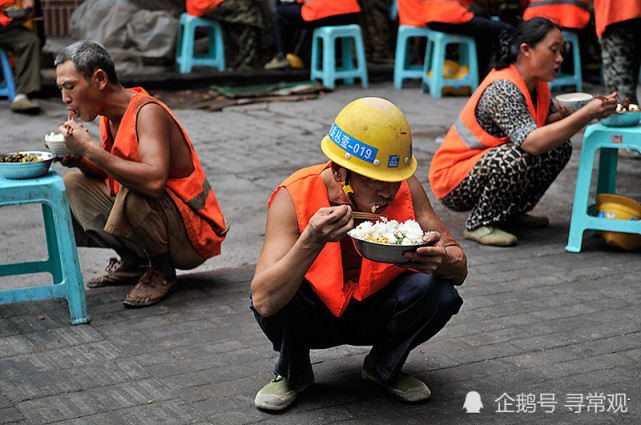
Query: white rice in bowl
389,232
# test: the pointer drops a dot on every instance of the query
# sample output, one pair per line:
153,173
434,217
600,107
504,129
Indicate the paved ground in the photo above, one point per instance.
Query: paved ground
544,336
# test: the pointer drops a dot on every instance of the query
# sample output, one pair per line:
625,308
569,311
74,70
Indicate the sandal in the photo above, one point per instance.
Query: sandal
153,286
118,273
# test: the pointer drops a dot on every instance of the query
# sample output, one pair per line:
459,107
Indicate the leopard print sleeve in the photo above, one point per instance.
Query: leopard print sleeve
502,111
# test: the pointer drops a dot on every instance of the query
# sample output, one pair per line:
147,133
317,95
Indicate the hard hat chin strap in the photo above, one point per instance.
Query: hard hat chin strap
347,188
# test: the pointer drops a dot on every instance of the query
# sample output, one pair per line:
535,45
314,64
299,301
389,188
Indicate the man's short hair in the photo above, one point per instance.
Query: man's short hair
88,56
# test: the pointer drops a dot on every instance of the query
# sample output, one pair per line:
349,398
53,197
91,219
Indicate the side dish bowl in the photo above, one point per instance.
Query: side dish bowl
26,170
622,119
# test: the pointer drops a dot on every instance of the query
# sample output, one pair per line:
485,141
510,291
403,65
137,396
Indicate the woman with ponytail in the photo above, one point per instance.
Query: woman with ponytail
510,142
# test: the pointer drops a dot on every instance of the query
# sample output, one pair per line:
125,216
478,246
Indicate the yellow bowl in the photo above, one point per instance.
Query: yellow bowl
619,208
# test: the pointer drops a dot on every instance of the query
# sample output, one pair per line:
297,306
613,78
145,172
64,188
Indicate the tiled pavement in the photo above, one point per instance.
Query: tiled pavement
541,330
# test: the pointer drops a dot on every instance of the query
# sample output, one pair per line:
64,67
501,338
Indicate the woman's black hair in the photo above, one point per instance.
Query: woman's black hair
530,32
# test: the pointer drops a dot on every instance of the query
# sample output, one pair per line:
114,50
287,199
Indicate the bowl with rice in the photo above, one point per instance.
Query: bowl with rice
386,241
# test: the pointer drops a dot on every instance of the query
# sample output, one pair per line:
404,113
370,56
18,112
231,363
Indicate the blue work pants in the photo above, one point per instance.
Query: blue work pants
407,312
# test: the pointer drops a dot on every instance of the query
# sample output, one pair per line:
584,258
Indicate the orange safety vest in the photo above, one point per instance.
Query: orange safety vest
447,11
4,19
309,193
566,13
194,197
314,10
410,13
466,142
607,12
200,7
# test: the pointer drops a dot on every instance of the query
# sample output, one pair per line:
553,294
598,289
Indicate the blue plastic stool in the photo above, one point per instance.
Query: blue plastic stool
575,79
584,216
402,68
185,57
327,71
48,190
8,87
435,58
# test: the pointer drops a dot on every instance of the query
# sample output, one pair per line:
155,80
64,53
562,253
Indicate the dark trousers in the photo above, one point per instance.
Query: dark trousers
486,33
407,312
288,20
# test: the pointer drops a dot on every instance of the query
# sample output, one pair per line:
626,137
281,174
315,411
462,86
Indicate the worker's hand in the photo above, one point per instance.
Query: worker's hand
70,160
329,224
428,258
602,106
77,137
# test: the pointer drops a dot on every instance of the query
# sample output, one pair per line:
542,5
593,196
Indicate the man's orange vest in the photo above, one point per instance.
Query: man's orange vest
607,12
411,13
309,193
566,13
447,11
192,195
466,142
200,7
313,10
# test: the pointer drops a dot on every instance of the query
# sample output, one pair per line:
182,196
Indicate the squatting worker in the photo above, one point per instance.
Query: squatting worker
311,288
510,142
142,191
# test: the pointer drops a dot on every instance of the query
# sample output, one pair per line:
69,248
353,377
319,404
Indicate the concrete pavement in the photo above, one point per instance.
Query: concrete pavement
544,336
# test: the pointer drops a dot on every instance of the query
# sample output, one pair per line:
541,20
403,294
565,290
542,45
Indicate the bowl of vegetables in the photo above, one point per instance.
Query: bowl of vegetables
386,241
25,164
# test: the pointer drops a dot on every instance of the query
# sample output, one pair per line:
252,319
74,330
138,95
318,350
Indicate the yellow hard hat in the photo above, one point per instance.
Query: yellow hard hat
372,137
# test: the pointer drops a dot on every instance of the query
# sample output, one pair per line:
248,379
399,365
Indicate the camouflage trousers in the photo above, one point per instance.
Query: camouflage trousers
621,58
246,30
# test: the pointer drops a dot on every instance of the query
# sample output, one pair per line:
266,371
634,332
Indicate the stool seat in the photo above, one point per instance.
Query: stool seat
48,190
323,66
185,57
435,59
575,79
402,67
584,215
7,87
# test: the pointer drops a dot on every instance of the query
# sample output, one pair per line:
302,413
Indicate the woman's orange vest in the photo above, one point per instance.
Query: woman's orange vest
447,11
466,142
200,7
309,193
411,13
567,13
194,197
607,12
314,10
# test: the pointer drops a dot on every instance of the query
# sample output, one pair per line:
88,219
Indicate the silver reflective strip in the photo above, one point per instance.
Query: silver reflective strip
198,202
577,3
467,136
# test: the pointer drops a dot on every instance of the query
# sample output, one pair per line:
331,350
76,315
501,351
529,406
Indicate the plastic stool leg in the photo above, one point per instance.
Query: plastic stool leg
346,54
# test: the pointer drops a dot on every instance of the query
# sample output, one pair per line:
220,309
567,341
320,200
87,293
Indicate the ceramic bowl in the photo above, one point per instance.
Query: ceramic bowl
574,100
56,143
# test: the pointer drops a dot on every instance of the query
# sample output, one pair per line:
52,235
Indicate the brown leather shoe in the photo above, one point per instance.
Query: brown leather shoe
153,286
118,273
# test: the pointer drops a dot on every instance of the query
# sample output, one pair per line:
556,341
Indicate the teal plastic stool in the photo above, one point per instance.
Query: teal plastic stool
8,87
584,215
324,68
185,57
48,190
435,58
402,68
575,79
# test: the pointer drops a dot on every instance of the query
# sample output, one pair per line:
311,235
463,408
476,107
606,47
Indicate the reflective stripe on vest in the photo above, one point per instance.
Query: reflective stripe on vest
470,140
577,3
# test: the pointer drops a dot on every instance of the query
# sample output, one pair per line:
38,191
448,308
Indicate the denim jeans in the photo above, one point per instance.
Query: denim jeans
407,312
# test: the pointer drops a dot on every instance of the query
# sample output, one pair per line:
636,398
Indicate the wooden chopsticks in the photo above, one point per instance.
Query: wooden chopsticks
367,215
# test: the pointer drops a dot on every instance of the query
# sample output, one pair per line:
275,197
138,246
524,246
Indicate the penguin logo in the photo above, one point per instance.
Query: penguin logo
473,403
